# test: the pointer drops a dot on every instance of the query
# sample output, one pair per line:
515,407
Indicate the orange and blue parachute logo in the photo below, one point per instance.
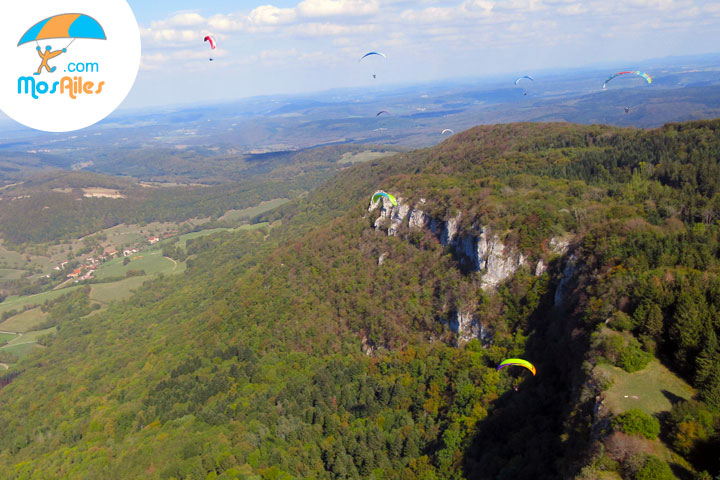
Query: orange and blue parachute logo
68,25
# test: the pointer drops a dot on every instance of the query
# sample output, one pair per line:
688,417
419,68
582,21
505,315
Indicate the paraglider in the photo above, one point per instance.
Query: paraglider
528,77
213,44
380,194
371,54
519,362
67,26
381,112
627,109
447,130
644,75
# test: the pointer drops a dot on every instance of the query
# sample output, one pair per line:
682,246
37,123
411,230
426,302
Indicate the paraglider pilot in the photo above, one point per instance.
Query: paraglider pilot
47,55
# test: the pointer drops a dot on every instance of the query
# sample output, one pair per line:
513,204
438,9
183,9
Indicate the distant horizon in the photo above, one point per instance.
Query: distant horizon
488,79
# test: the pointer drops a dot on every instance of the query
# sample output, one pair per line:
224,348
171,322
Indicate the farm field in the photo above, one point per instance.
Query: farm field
653,389
181,241
24,322
236,216
10,274
367,155
6,337
116,291
150,262
18,303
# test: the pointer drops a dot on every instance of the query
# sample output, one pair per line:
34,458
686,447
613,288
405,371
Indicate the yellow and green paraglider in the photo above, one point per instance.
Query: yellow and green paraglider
379,195
517,362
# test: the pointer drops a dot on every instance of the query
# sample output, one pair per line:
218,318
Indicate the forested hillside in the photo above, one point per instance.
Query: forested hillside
362,343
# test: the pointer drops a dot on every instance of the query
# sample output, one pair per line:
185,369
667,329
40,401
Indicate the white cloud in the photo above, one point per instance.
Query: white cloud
181,20
170,35
331,8
271,15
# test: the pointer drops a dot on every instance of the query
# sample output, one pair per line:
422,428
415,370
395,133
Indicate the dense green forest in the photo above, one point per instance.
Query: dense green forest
296,353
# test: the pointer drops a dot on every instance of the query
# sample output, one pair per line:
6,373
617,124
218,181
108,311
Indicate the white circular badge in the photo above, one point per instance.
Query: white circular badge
67,64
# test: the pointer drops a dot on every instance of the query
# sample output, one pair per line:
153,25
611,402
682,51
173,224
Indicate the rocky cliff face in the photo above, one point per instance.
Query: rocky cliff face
482,251
479,250
467,327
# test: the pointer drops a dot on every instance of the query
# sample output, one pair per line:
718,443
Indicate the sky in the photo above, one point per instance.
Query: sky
294,46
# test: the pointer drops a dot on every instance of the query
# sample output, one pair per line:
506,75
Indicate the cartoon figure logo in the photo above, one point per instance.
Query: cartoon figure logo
70,70
70,26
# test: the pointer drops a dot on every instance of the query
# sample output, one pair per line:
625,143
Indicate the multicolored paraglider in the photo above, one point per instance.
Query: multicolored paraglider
518,362
213,43
379,195
644,75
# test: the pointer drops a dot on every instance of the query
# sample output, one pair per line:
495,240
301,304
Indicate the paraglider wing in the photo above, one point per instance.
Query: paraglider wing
519,362
644,75
211,39
525,76
373,53
381,112
378,195
67,25
447,130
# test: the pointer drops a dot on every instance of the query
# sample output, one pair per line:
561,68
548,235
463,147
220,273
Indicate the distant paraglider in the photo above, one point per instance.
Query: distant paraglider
380,194
372,54
381,112
644,75
447,130
213,44
519,362
524,77
369,54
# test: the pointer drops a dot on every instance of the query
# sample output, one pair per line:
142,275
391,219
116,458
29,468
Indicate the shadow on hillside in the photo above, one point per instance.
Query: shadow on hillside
523,435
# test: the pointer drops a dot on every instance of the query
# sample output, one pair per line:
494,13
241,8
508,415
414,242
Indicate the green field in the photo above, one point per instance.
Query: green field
17,303
647,389
22,350
181,241
365,156
236,216
116,291
24,322
10,274
150,262
6,337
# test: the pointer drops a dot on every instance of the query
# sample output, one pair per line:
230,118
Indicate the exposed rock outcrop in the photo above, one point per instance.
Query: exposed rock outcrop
467,327
483,252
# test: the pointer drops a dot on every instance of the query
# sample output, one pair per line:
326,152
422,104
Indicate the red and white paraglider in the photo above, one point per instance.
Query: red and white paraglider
213,43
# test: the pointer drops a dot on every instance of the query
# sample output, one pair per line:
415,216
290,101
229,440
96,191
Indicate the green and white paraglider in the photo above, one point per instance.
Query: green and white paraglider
380,195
